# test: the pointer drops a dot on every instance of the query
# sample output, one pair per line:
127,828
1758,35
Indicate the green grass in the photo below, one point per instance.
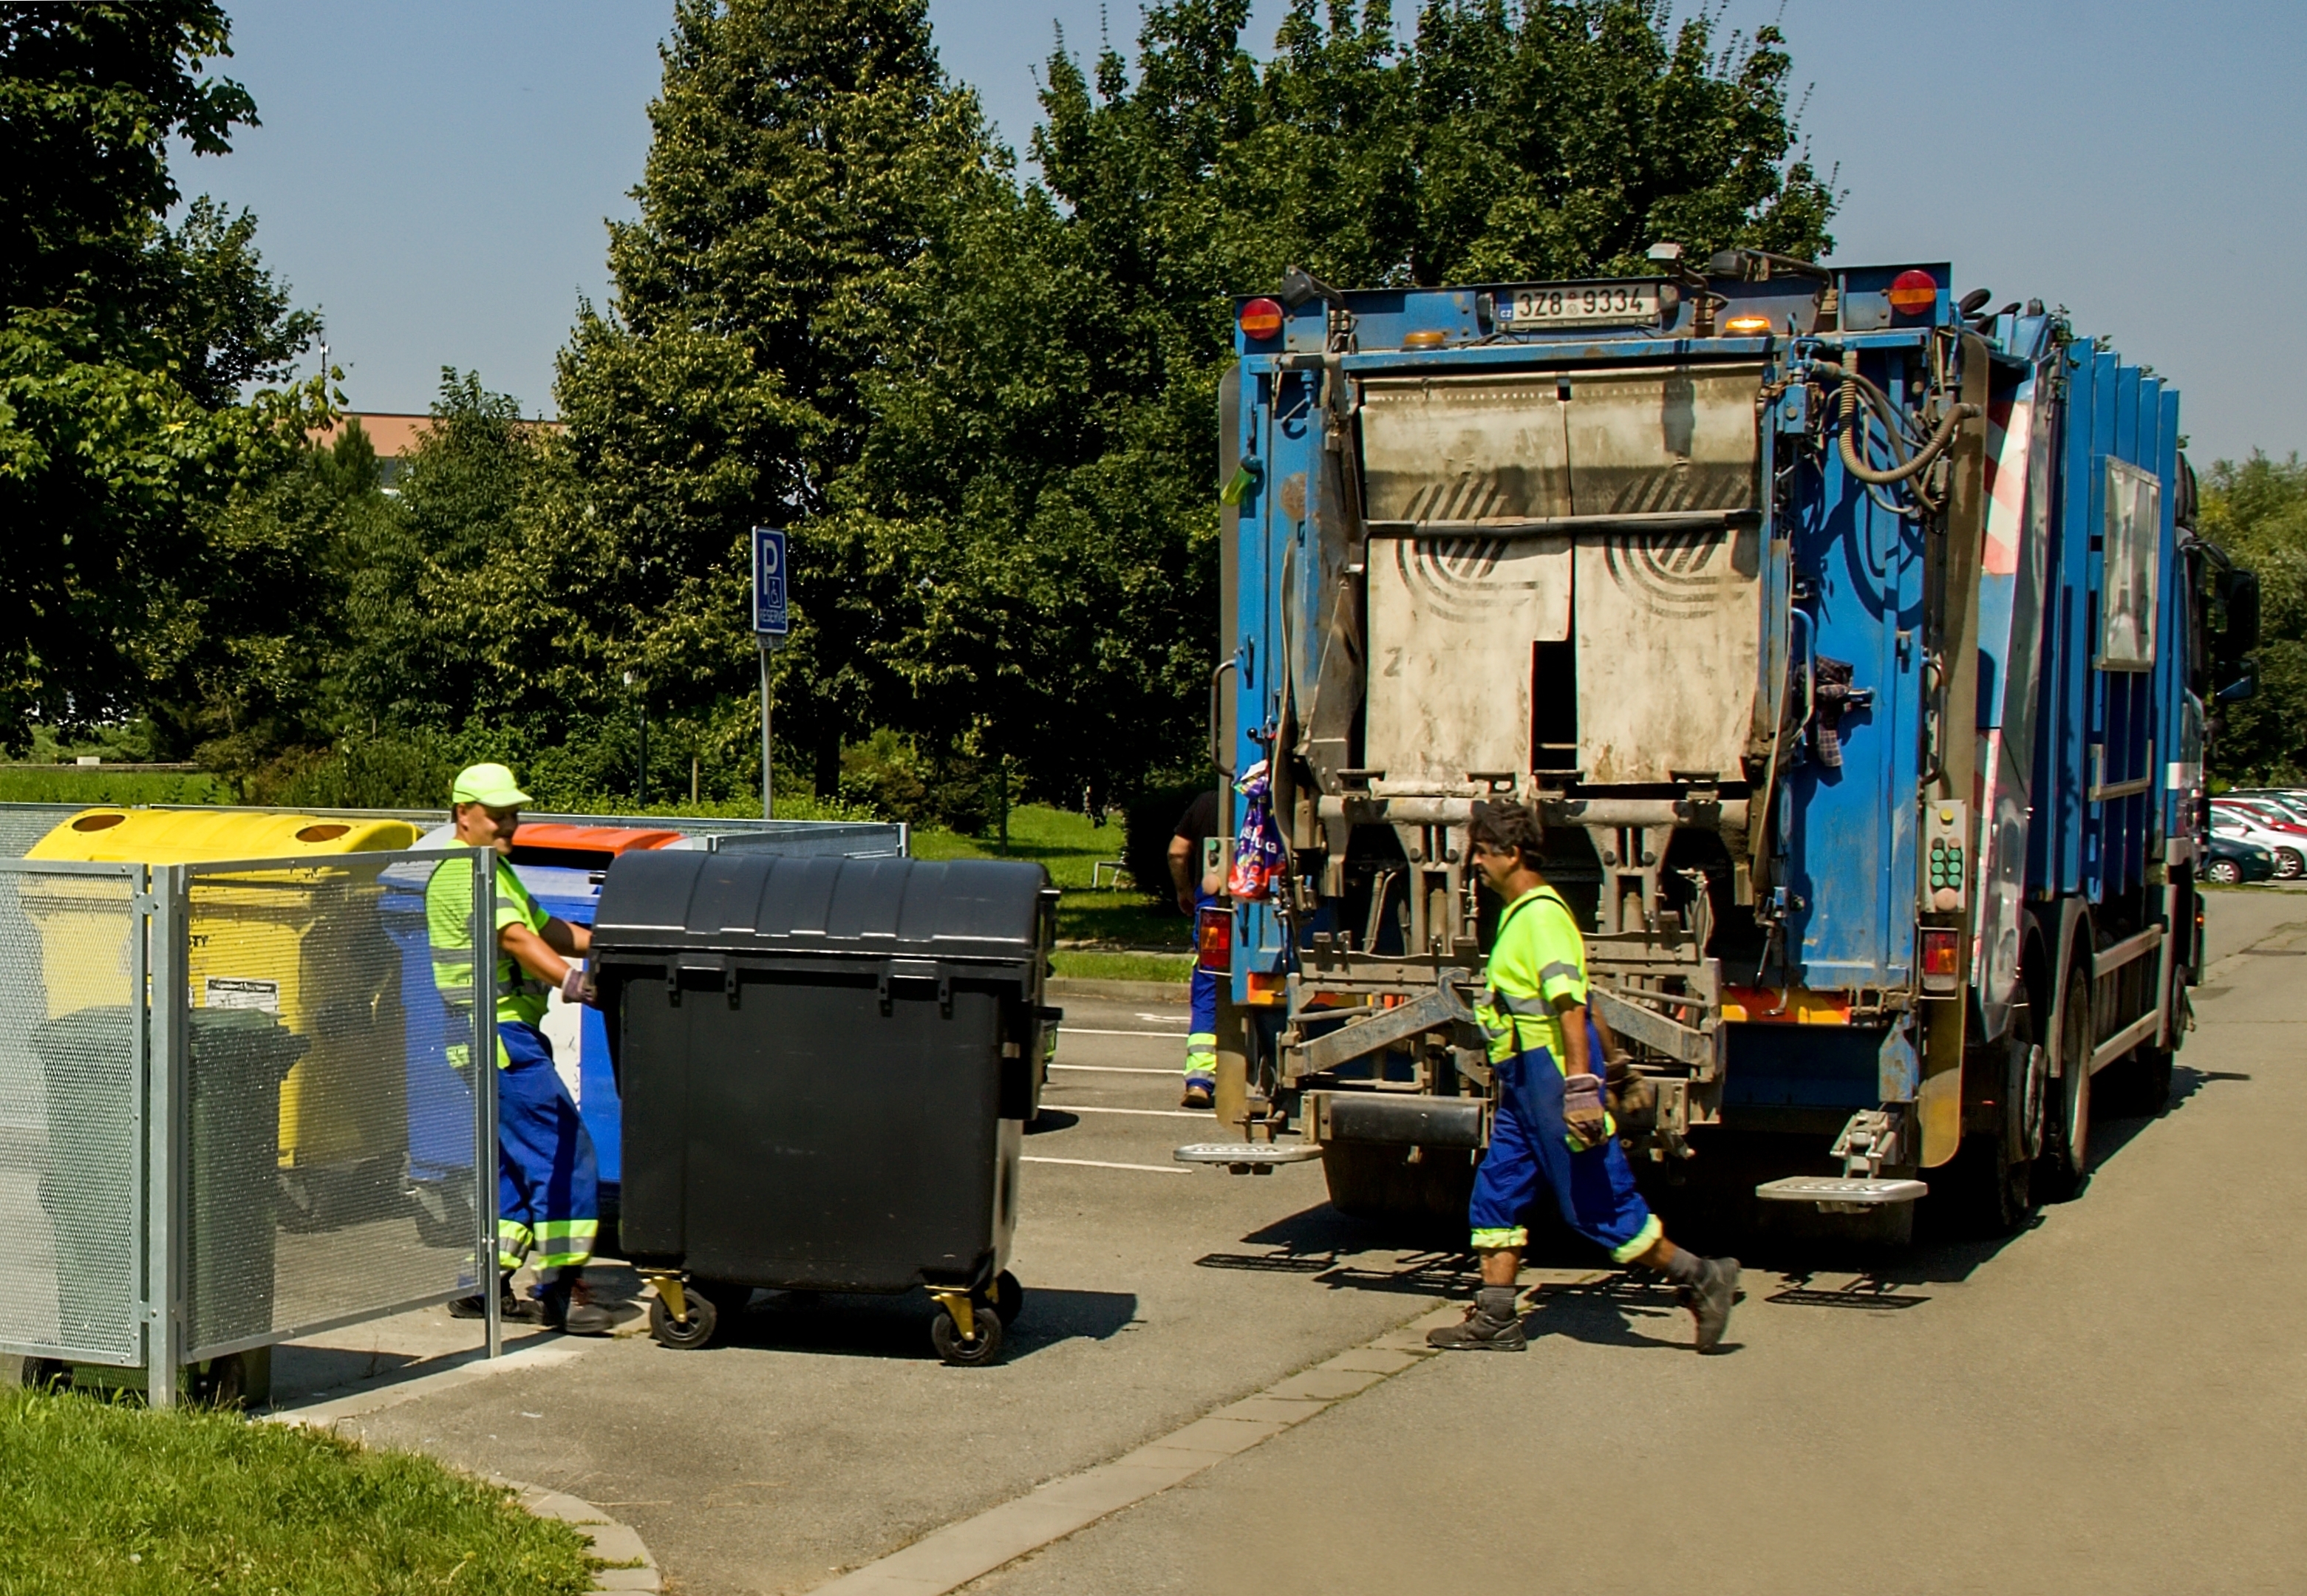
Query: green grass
117,787
1079,964
1122,922
97,1496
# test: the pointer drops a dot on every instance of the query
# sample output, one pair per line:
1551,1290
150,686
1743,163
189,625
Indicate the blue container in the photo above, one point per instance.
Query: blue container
571,895
439,1099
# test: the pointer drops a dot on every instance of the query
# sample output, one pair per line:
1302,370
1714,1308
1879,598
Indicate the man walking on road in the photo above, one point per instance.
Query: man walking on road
547,1193
1198,883
1552,1127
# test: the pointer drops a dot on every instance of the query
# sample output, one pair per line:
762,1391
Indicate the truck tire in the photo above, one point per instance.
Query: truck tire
1376,1180
2066,1152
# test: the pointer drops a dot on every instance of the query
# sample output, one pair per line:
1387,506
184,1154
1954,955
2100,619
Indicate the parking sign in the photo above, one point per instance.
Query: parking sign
769,582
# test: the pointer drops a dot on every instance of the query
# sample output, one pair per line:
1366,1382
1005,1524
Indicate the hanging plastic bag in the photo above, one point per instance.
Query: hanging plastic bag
1257,857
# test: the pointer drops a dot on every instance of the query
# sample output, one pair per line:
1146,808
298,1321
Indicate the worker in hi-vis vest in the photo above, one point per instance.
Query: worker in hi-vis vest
1552,1126
547,1185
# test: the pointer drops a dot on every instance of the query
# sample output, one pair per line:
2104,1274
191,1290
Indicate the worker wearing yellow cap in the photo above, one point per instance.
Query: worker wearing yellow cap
547,1184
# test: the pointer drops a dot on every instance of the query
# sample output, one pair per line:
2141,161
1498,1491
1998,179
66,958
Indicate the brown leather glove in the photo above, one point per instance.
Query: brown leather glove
1584,1117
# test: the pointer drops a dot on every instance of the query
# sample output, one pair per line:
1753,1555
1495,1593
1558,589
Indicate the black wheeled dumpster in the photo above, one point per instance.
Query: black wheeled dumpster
825,1067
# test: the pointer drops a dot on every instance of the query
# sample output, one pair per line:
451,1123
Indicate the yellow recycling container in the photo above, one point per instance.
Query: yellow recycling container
307,945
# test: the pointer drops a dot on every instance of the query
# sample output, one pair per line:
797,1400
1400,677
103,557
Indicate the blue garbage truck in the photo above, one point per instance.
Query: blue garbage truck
1850,637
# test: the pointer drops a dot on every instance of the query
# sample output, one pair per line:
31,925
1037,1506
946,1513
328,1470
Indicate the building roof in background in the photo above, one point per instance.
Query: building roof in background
394,435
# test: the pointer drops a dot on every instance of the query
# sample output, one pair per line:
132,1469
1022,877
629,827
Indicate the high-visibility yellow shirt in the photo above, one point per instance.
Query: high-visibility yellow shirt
1537,960
520,997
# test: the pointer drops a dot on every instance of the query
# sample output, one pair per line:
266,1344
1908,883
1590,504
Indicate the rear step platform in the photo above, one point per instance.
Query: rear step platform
1247,1158
1856,1190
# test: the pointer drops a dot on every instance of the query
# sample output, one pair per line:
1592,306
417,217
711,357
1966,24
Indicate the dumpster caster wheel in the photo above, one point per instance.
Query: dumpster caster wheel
224,1383
44,1374
1009,1299
684,1335
981,1347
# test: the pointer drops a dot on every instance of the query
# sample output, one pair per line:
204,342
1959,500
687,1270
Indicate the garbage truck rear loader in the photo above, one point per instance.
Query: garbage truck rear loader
1851,641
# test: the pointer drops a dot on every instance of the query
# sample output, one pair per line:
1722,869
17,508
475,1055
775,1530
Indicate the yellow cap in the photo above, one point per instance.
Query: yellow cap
490,784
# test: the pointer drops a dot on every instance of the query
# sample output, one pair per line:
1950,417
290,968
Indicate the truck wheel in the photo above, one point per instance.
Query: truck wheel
1376,1180
2067,1149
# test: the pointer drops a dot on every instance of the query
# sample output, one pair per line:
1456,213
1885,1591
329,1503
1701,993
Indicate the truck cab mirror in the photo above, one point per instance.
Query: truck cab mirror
2238,594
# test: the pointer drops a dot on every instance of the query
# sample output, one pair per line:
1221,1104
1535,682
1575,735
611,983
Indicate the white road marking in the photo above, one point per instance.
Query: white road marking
1115,1070
1099,1163
1075,1108
1065,1030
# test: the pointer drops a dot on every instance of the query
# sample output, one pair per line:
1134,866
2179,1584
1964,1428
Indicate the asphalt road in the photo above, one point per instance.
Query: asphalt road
2111,1401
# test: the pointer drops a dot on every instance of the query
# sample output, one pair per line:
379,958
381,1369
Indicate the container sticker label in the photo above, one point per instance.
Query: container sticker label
242,991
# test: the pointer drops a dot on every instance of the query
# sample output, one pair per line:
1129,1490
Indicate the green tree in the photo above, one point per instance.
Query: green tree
2256,511
125,345
803,153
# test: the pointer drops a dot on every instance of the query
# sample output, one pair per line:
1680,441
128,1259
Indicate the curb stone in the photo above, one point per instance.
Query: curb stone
958,1554
1116,992
611,1542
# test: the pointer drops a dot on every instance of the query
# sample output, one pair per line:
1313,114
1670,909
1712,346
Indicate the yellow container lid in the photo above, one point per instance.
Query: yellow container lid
199,836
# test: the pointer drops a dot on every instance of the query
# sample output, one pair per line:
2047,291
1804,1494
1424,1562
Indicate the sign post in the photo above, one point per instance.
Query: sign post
770,626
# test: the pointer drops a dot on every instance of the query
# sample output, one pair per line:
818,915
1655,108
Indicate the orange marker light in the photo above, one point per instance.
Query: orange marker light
1913,293
1260,318
1938,954
1427,339
1747,326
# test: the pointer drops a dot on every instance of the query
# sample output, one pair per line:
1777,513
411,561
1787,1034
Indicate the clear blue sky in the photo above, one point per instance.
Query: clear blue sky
433,173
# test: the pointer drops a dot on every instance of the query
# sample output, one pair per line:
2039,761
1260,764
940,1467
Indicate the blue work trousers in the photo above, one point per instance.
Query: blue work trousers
547,1184
1202,1026
1593,1190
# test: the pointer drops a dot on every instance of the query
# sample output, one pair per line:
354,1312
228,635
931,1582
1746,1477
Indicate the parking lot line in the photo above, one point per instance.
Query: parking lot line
1066,1030
1100,1163
1115,1070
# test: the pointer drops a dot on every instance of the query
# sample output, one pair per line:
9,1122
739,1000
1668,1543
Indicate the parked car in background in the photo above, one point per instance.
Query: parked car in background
2231,860
2283,840
2290,803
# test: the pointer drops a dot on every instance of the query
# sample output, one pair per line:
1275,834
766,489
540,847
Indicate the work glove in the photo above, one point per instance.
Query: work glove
1584,1121
1634,1100
577,985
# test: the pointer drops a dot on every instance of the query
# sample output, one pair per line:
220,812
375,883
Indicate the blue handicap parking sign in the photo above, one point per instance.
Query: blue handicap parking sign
769,582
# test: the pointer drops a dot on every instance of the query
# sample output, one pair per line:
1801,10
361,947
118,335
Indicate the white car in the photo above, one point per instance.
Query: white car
2289,847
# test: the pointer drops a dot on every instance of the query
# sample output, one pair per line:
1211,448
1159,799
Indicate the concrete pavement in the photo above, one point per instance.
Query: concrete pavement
2111,1401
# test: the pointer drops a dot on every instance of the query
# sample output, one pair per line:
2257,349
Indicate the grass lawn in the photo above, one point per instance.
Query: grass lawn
1119,928
104,1496
117,787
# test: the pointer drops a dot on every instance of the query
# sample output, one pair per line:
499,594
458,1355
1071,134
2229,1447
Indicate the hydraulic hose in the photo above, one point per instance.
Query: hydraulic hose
1933,447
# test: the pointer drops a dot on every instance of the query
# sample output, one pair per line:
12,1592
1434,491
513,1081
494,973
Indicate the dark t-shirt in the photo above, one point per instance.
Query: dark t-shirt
1200,823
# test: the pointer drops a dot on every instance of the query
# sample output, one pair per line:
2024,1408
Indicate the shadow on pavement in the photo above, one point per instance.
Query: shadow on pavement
898,1327
1049,1120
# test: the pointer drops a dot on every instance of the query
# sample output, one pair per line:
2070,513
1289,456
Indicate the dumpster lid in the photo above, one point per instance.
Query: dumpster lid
582,847
660,901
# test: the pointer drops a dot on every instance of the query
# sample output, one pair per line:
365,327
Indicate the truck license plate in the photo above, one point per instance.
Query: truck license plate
1571,305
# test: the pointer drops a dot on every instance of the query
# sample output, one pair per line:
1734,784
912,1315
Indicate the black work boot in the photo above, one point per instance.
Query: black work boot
567,1305
509,1307
1490,1326
1710,1300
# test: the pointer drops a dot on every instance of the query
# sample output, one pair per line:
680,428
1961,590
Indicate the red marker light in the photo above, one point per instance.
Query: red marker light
1213,940
1913,293
1938,954
1260,318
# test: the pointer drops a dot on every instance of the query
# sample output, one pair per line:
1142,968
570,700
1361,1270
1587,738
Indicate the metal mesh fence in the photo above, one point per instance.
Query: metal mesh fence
23,824
71,1032
329,1119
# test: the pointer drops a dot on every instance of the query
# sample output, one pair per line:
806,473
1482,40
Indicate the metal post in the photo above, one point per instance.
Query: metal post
768,796
165,998
484,1095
